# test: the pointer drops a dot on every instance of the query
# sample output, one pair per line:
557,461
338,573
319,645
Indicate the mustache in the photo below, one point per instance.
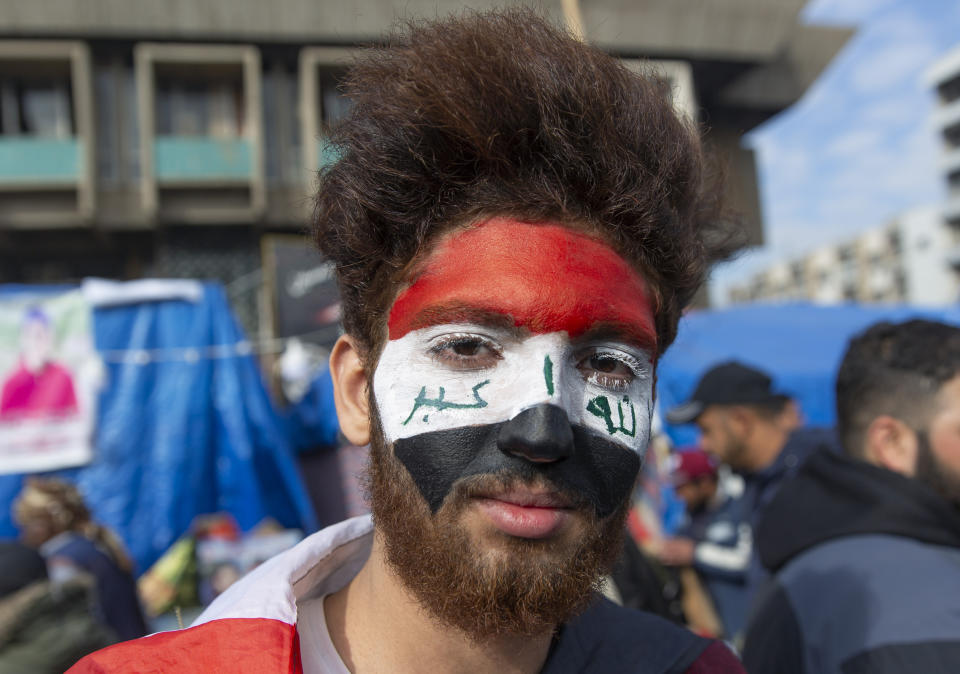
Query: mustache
517,478
599,471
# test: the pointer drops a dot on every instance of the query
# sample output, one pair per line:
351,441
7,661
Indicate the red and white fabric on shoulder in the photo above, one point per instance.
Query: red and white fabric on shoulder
252,627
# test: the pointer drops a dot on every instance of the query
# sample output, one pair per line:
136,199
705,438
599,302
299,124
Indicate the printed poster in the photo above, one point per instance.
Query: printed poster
49,379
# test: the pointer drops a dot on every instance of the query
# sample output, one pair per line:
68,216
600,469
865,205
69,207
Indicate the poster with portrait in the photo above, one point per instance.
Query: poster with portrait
49,379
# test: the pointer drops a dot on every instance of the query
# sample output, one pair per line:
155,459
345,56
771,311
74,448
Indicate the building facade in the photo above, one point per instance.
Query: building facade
901,262
174,139
944,78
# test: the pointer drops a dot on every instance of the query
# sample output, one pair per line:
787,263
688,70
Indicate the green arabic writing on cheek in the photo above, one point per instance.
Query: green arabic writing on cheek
440,403
600,407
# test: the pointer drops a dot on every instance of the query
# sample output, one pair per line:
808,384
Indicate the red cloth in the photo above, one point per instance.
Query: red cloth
29,395
261,646
234,645
716,659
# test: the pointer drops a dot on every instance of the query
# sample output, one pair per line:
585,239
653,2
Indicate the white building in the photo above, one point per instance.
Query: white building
904,261
944,77
932,278
915,259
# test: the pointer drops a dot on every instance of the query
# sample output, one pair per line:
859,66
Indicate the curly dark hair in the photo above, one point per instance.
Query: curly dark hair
501,114
894,369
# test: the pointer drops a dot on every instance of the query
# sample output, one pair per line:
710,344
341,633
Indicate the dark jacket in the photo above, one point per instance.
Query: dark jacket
607,638
118,604
759,489
44,628
644,585
867,567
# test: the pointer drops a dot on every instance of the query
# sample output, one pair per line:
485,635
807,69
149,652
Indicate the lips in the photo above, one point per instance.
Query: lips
529,498
524,514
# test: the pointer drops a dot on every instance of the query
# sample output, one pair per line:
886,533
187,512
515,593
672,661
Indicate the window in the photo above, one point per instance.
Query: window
894,241
333,104
950,90
901,284
952,134
40,107
196,108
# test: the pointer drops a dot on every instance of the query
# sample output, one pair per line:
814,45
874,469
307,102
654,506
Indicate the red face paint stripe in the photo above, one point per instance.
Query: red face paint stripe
547,278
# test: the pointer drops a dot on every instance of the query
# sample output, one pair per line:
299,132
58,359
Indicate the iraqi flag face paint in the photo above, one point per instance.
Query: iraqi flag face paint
521,349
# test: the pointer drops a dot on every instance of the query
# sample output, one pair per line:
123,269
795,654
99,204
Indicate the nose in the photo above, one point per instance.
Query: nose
541,434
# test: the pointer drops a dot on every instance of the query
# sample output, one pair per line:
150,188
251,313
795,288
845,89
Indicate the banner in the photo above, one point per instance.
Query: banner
49,376
302,290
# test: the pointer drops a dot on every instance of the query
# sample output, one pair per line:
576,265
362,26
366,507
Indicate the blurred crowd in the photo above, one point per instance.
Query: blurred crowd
819,549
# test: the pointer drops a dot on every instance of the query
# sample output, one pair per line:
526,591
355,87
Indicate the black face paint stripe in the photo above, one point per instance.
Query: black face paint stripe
598,471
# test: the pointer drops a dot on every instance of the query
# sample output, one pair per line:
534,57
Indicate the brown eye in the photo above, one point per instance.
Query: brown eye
466,352
608,365
466,348
608,370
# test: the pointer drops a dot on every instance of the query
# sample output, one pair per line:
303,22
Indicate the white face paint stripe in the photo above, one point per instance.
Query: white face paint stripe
416,393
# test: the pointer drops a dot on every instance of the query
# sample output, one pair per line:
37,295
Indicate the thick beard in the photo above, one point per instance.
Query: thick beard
526,587
931,472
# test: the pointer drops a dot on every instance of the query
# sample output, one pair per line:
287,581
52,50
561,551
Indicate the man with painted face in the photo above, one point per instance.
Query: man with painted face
865,543
516,222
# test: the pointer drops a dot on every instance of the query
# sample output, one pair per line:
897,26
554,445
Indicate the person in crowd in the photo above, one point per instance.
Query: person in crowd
516,220
54,519
637,582
714,540
44,629
865,544
757,432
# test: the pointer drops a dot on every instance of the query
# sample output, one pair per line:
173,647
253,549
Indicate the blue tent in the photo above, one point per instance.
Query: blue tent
800,345
187,429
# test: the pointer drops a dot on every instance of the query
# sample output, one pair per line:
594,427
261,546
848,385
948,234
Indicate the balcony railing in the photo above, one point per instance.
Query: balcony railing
947,116
40,162
202,159
953,257
952,210
950,162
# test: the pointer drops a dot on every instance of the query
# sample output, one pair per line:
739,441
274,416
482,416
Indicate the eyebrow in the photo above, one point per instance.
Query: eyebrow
623,332
457,312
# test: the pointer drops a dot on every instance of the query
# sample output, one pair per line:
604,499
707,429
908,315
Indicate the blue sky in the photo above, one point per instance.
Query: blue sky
859,147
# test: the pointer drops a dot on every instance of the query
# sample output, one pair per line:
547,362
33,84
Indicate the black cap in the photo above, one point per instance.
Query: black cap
730,383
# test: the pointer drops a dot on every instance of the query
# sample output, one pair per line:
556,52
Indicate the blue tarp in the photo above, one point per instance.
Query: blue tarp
192,430
799,345
312,421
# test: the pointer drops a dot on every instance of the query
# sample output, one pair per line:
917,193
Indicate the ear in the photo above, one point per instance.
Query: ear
791,418
891,444
739,421
350,390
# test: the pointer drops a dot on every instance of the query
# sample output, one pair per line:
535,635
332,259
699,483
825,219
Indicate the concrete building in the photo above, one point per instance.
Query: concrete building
174,138
902,262
944,78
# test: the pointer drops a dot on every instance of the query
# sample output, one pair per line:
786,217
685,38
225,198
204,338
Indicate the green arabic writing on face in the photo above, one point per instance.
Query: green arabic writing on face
548,374
440,403
600,407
